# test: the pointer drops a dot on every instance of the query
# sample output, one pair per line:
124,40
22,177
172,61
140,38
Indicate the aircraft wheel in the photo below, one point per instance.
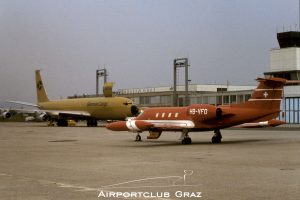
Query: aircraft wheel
62,122
95,123
187,140
216,140
92,123
66,123
138,138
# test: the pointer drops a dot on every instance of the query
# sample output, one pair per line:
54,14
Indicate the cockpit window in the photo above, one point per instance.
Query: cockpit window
127,103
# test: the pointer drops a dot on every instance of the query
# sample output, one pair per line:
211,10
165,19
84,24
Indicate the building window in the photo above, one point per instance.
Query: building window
219,100
199,99
205,100
225,99
155,100
165,100
170,114
163,115
157,114
212,100
144,100
176,115
247,97
180,101
292,110
193,100
240,98
232,98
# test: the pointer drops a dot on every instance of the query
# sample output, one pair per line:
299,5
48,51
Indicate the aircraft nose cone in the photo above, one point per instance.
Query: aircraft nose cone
117,126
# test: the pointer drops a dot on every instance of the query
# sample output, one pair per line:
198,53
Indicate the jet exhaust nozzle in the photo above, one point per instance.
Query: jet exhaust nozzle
219,113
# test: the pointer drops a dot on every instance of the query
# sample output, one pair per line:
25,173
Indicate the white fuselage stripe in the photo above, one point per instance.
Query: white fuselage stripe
267,89
131,125
264,100
179,123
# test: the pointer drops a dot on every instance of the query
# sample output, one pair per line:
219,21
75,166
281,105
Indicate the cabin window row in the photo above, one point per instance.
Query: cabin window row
167,115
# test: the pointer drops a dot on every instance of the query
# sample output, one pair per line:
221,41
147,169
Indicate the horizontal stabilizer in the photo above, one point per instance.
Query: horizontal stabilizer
270,123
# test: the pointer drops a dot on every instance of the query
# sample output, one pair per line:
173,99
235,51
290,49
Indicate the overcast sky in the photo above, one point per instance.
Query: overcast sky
136,40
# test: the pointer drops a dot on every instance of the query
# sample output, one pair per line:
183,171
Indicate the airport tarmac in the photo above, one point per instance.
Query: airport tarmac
40,163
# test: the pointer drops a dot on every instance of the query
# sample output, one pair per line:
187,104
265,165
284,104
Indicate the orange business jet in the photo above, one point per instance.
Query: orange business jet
264,105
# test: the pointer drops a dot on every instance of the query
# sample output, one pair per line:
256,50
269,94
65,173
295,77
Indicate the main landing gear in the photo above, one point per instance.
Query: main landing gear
217,138
62,122
92,123
185,138
138,138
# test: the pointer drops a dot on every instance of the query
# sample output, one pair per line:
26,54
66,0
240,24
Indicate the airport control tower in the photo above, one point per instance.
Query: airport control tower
285,61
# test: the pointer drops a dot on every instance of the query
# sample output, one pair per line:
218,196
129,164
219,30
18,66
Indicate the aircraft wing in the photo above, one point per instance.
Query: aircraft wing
68,114
23,103
26,111
53,113
45,114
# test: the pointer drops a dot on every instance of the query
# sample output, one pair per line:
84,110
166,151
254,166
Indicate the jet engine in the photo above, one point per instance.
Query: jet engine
219,113
135,110
43,117
6,114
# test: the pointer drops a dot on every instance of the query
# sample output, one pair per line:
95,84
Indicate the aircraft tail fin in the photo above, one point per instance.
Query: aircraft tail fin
107,89
268,94
41,92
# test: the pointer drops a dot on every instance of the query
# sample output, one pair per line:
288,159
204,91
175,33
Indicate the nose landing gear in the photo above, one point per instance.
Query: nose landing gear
138,138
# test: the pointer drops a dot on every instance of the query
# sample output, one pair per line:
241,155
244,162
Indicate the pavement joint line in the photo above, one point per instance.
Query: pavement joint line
62,185
73,187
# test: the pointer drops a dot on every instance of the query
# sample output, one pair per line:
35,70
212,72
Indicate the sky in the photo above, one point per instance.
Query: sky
136,41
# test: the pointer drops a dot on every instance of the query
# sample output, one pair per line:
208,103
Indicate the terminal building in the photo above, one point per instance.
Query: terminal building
198,94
